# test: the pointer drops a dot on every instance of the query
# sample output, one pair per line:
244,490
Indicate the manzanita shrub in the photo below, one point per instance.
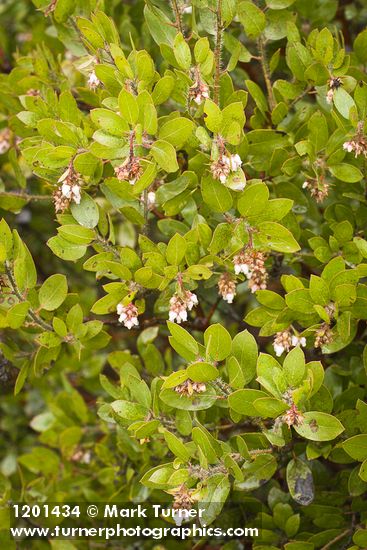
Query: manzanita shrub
183,261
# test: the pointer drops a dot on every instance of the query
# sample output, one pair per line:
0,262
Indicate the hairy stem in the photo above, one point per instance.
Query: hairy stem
36,318
266,72
177,14
336,539
217,52
26,196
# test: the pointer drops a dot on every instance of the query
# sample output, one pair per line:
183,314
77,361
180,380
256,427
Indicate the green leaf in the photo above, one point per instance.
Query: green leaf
253,200
165,155
270,407
129,411
176,249
279,4
86,213
356,447
319,426
176,131
300,481
176,446
184,338
319,290
277,237
65,249
346,172
360,46
25,273
182,52
256,473
213,116
215,194
244,349
202,372
128,107
17,314
252,18
218,342
53,292
242,401
109,121
76,234
324,46
343,102
63,9
294,366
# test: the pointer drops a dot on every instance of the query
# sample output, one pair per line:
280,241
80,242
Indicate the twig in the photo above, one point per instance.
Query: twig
26,196
36,318
266,72
336,539
177,14
108,247
217,53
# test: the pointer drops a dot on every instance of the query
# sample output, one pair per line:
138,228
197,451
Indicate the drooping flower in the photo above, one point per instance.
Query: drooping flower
189,387
128,315
358,144
293,417
285,340
130,170
298,341
199,91
224,165
220,169
180,303
227,287
68,191
334,84
93,80
182,498
282,342
252,264
319,189
323,335
5,140
241,264
151,199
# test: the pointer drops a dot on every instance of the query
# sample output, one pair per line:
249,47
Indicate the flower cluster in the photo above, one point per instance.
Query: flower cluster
182,498
358,144
5,137
224,165
251,263
130,170
334,84
93,80
199,91
293,417
285,340
128,315
323,335
68,191
189,387
180,303
227,287
319,190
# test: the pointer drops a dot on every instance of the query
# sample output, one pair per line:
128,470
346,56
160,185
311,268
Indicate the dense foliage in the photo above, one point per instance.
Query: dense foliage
183,260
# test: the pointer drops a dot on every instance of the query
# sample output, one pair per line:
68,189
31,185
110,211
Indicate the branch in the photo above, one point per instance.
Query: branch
36,318
177,14
336,539
217,53
26,196
266,72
